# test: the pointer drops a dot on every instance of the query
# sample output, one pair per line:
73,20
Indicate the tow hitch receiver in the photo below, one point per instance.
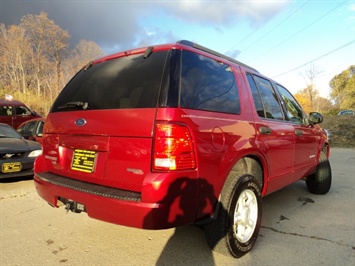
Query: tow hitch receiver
73,206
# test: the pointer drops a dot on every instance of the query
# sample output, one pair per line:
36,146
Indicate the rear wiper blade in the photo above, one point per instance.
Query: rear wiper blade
83,105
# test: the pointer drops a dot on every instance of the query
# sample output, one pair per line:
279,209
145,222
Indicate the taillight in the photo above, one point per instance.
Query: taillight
173,148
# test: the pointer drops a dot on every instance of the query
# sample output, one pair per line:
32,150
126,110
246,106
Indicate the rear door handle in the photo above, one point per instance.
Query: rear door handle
298,132
265,130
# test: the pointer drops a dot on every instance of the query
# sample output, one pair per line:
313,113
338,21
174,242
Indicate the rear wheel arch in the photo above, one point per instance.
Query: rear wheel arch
253,166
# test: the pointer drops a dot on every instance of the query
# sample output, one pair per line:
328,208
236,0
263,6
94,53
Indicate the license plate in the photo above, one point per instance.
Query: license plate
11,167
84,161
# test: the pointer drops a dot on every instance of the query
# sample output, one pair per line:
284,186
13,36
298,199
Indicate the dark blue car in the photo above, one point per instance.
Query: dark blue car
17,155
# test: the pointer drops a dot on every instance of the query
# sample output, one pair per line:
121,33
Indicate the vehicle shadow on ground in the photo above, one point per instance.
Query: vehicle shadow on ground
187,246
188,243
183,204
16,179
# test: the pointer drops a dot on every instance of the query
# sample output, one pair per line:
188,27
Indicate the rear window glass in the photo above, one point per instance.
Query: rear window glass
126,82
207,84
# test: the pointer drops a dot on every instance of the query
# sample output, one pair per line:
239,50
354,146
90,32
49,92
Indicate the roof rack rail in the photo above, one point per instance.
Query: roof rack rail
210,51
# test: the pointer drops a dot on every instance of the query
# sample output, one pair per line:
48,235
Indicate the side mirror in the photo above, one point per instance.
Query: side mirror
315,118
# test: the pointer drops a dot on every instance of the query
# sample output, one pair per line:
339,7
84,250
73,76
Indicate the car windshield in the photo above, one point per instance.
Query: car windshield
8,132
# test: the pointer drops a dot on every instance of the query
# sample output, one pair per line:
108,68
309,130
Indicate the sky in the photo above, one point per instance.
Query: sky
282,39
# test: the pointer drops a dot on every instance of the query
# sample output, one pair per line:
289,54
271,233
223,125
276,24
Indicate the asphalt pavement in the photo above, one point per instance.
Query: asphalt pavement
298,228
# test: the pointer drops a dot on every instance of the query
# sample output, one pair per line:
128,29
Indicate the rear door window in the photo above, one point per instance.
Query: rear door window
125,82
263,91
208,84
256,96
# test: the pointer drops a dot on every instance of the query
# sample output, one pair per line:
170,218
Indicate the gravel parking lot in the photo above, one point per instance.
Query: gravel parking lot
298,228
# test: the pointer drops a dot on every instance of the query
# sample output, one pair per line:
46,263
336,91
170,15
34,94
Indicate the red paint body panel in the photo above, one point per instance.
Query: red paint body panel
123,141
129,213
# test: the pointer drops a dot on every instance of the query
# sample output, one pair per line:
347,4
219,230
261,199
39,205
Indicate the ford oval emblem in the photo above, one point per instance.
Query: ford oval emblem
80,122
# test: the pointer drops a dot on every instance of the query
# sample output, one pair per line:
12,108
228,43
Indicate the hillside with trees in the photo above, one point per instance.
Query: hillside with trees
37,61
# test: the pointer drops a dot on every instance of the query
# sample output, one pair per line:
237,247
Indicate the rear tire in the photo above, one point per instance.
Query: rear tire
238,222
320,182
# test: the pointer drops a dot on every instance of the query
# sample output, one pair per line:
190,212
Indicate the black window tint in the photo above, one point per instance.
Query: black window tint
22,110
5,110
207,84
126,82
269,98
29,127
256,96
294,111
169,96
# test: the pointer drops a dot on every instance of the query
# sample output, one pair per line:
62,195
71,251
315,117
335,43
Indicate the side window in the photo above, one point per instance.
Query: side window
269,99
22,110
294,111
30,127
5,110
207,84
256,96
26,128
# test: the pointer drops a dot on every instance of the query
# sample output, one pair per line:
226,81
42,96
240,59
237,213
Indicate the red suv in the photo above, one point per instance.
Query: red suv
15,113
178,134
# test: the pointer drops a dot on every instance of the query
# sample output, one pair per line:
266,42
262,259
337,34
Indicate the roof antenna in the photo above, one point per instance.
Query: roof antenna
88,66
148,52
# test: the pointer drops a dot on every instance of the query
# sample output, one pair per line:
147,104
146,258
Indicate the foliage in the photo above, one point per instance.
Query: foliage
343,89
342,92
37,61
320,104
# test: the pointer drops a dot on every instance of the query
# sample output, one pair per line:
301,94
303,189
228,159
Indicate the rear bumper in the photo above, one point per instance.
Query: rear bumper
117,206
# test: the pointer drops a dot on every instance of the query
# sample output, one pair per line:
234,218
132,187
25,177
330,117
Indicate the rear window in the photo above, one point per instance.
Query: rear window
126,82
208,84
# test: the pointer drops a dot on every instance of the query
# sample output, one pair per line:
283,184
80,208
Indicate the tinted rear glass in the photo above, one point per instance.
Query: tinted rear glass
207,84
126,82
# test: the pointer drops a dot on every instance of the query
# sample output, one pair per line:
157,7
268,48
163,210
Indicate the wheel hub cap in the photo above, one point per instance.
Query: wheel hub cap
245,216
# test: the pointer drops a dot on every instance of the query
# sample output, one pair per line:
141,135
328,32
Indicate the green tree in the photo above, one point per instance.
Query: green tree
343,89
